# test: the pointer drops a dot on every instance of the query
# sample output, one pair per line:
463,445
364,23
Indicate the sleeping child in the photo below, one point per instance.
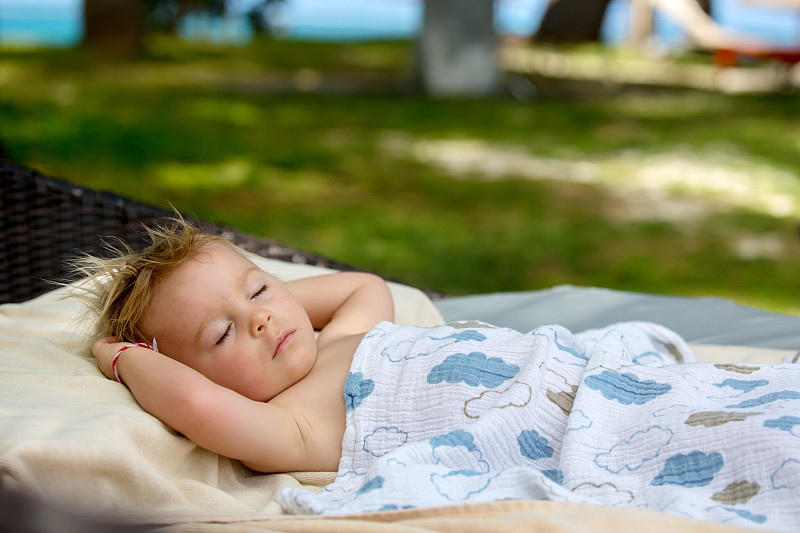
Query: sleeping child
311,374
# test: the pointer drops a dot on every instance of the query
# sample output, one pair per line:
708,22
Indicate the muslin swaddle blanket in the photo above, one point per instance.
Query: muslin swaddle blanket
469,413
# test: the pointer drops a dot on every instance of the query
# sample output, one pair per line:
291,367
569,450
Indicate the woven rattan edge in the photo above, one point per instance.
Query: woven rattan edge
45,220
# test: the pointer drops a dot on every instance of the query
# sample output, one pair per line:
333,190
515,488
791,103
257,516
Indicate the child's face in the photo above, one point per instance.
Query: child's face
221,315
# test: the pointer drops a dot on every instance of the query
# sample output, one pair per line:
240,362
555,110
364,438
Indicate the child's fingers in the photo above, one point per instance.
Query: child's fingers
100,345
104,350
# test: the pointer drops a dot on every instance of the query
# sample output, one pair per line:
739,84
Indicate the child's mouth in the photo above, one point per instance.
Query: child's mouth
283,344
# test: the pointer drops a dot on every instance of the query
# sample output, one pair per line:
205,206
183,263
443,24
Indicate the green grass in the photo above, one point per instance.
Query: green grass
227,135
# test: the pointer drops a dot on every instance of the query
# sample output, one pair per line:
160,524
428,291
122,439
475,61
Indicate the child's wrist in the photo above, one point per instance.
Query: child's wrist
115,359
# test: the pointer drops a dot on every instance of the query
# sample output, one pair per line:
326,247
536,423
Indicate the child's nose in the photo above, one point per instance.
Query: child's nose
260,320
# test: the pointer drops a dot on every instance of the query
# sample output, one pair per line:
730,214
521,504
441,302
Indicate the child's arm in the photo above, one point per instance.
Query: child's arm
345,303
209,415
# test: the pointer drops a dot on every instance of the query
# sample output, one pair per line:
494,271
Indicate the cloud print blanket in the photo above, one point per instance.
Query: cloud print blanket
471,413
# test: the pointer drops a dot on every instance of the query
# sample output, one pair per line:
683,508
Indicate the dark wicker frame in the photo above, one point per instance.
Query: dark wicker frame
44,221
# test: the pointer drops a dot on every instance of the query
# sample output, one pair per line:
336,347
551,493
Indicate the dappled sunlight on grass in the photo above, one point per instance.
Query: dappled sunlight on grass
228,175
672,107
719,174
234,113
679,193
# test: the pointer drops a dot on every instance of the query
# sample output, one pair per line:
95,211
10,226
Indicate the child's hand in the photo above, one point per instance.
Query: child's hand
104,350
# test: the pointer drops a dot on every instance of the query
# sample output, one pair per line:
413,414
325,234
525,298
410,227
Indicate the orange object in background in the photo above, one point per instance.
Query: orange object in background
729,57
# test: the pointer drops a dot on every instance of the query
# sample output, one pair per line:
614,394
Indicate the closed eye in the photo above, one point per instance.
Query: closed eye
260,291
225,335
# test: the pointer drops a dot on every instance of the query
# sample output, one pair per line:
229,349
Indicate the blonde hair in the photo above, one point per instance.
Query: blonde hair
120,287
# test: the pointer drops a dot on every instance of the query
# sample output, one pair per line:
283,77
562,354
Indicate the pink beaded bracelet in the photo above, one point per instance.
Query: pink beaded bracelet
154,347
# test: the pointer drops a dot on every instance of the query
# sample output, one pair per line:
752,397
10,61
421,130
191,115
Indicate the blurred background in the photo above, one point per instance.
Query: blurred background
464,147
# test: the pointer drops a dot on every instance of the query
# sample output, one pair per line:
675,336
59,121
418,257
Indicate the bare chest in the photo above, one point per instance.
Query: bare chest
320,404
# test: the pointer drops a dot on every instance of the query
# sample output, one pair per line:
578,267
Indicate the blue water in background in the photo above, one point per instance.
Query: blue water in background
59,23
43,22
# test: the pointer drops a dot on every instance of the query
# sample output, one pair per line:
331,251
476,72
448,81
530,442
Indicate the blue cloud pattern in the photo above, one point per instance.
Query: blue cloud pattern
533,446
650,358
555,475
745,385
767,398
455,438
400,351
384,439
469,464
631,437
561,347
757,518
356,388
473,369
460,484
465,335
787,476
784,423
626,388
372,484
635,451
696,469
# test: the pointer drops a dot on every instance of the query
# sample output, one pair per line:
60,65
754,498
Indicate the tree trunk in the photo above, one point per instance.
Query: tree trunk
641,23
457,48
572,21
114,27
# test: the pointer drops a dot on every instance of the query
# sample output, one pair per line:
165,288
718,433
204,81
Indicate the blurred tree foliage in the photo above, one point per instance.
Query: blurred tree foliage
117,27
260,16
166,15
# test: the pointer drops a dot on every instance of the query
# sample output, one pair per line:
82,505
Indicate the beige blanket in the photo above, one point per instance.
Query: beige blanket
80,441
